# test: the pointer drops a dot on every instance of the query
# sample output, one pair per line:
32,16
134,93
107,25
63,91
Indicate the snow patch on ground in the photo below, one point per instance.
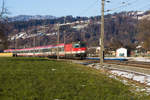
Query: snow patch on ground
142,59
143,79
135,76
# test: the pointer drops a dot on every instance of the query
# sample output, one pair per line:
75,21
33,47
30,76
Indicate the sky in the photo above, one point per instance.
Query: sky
60,8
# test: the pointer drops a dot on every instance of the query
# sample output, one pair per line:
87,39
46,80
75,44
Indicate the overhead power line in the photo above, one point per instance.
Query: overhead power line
145,6
89,7
123,5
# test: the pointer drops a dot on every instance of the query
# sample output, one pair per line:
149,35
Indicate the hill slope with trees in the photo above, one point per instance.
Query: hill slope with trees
121,30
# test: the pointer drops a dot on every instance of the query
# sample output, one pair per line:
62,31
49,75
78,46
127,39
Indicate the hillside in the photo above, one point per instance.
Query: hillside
120,30
29,17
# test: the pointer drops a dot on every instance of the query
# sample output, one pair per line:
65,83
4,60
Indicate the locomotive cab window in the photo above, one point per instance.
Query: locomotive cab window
80,45
76,45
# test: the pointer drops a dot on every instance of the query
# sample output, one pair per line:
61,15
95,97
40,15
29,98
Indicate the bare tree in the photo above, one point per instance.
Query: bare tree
3,27
4,11
144,33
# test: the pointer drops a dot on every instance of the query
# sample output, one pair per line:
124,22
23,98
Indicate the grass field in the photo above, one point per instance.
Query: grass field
41,79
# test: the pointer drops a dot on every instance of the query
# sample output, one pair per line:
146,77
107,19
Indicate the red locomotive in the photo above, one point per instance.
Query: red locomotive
73,50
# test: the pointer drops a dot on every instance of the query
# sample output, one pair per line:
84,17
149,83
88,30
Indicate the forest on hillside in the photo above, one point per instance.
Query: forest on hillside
121,30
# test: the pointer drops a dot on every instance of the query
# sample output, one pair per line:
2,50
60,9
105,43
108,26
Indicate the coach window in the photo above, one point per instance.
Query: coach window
62,48
32,51
36,51
59,48
44,50
28,51
41,50
47,50
50,50
53,49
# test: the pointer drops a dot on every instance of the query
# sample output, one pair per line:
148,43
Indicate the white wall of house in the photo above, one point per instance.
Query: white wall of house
121,52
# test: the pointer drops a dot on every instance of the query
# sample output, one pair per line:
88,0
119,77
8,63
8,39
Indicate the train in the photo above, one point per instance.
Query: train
70,51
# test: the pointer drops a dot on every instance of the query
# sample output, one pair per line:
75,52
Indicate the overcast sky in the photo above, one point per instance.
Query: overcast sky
71,7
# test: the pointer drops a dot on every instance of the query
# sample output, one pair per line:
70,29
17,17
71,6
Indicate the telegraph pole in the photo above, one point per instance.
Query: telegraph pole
16,44
64,31
34,44
102,34
58,41
64,36
34,41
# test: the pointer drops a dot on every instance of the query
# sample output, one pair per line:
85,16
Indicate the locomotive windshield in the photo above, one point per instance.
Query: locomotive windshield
76,46
79,45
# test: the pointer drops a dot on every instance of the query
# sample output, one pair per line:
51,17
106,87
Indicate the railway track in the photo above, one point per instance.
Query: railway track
145,65
130,63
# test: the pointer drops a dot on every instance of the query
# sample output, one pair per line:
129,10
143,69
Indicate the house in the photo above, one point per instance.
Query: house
93,51
121,52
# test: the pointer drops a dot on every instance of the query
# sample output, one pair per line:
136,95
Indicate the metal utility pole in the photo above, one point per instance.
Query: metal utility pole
16,44
58,42
64,36
64,31
34,41
102,34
